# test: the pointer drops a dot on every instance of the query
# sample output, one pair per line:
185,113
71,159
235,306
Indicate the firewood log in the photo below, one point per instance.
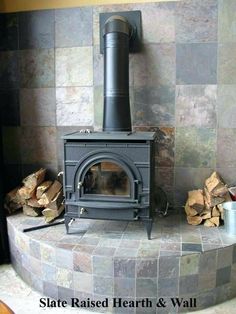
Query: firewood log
196,220
215,212
215,221
195,200
206,215
211,200
214,182
208,223
33,202
56,201
25,193
42,188
51,214
34,179
31,211
189,210
50,193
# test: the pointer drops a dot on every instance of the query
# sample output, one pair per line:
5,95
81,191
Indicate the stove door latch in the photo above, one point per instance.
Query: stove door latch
82,211
80,183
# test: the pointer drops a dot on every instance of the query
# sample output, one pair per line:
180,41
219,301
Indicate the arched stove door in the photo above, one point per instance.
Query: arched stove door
107,179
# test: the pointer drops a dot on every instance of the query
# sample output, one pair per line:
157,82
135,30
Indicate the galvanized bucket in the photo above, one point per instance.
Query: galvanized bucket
230,217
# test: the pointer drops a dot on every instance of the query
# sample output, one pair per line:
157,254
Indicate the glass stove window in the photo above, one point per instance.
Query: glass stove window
107,178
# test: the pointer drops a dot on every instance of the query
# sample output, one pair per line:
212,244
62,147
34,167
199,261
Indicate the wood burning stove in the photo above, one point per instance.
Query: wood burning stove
110,174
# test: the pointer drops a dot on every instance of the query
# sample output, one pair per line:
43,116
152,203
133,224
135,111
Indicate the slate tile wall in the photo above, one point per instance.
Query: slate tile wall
182,85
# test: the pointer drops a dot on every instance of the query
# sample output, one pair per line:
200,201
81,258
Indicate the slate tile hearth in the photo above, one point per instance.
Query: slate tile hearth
180,259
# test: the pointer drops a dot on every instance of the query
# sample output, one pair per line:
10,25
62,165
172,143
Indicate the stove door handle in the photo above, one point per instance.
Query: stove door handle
80,183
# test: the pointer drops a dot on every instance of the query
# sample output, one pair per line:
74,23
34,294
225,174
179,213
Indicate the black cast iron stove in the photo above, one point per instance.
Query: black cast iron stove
110,174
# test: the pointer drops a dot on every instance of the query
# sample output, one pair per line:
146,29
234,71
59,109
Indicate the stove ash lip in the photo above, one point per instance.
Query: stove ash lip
116,36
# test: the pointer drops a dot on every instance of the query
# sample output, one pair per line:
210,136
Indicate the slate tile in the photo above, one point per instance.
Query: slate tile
104,251
155,66
74,106
37,68
10,108
188,284
227,20
98,71
196,105
223,276
64,278
103,285
124,267
168,267
42,149
124,287
206,281
192,247
226,63
225,150
50,290
37,107
196,21
9,70
225,257
226,106
164,178
8,31
103,266
146,287
207,262
196,63
154,106
168,287
163,30
164,147
52,170
64,259
48,254
195,147
83,282
74,66
73,27
49,273
189,264
65,294
128,253
42,24
82,262
146,268
11,144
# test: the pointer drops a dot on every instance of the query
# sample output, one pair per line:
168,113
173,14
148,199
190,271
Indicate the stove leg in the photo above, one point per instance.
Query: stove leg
67,221
148,226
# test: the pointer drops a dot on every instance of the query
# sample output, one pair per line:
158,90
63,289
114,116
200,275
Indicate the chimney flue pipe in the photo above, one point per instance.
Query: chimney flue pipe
116,36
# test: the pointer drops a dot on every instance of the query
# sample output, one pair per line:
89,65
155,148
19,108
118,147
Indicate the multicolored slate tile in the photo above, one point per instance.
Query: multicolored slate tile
36,29
226,63
196,63
73,27
227,21
196,21
196,105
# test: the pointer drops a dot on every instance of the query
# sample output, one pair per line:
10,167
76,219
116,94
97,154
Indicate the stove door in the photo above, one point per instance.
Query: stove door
107,179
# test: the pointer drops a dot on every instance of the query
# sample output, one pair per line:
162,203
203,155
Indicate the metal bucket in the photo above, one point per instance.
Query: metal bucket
230,217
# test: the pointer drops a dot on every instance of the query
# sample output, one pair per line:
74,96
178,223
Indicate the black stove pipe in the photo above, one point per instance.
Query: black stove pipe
116,36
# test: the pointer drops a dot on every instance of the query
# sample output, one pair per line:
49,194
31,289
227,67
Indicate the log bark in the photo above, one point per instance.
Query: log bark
34,179
50,193
42,188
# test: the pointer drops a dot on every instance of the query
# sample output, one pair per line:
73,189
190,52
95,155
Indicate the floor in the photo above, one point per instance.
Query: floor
22,299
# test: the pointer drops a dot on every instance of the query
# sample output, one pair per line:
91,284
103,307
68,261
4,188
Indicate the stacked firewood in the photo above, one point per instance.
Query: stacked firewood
205,206
36,197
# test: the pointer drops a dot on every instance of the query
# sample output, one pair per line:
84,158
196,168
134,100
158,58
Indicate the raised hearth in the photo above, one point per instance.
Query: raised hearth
114,259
